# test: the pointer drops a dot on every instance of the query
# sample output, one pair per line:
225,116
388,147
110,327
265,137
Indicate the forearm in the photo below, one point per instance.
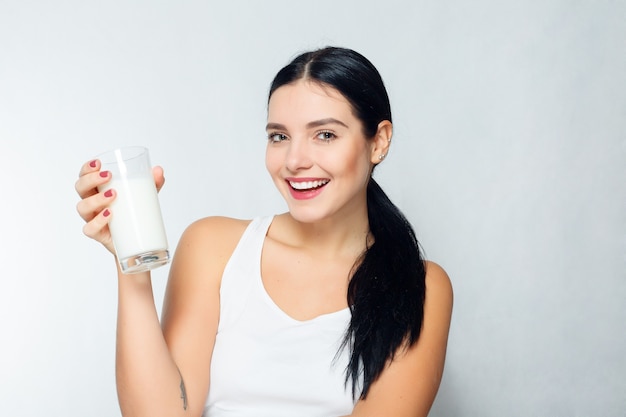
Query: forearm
148,380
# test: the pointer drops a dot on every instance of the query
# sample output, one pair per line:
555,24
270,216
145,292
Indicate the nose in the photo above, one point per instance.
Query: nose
298,155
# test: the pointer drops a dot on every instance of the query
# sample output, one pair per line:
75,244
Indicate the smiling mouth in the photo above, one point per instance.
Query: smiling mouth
307,185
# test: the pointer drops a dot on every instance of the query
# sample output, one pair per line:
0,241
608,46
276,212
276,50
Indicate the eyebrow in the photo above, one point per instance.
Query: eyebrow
315,123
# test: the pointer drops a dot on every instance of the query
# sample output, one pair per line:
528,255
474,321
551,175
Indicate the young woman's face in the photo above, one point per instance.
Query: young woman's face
317,154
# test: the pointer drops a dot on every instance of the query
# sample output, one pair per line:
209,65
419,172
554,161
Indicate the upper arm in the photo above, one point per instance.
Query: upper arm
191,304
408,385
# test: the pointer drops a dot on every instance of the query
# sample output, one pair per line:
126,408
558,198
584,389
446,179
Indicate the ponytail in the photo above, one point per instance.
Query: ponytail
386,292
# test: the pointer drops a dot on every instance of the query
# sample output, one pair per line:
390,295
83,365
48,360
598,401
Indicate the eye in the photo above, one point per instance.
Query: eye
275,137
325,136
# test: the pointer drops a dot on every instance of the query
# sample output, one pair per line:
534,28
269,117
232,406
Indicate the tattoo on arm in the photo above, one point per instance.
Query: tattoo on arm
183,391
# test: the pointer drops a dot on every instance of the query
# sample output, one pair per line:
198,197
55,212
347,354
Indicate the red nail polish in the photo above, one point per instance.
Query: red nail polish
106,213
108,193
104,174
92,163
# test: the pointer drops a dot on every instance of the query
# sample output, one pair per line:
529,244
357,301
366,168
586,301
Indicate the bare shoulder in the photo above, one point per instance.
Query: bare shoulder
212,237
438,282
198,264
204,249
210,230
439,299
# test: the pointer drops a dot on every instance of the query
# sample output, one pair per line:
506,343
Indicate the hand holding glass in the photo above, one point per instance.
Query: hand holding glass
136,223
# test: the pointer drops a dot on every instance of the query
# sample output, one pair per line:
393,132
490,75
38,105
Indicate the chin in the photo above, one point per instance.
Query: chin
306,214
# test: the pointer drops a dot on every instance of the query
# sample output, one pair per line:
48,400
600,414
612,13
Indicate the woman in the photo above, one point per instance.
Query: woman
326,310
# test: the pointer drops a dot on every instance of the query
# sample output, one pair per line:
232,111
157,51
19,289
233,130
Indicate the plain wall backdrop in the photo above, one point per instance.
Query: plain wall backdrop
509,157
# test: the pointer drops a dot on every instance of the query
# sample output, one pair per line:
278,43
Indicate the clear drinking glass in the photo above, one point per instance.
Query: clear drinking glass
136,223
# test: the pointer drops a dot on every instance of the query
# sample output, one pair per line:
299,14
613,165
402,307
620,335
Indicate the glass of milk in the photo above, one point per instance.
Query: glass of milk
136,223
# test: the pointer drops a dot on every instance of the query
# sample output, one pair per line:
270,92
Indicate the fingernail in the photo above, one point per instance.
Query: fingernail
106,213
108,193
104,174
92,163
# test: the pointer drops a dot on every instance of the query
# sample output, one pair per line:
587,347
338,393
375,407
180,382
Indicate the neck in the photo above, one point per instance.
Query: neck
328,238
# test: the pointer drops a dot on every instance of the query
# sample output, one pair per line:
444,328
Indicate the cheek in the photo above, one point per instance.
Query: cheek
271,160
356,163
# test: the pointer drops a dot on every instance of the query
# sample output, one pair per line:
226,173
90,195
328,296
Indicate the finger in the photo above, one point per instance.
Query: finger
88,183
89,207
159,178
98,229
90,166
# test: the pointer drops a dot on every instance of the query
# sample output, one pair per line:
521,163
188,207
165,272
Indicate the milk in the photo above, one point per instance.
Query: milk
136,224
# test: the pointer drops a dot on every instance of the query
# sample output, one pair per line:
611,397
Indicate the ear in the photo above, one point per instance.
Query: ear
381,142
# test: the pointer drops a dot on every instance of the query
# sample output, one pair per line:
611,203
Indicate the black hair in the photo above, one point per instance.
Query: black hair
387,287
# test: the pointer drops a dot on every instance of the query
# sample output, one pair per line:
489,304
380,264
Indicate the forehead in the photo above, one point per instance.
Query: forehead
306,101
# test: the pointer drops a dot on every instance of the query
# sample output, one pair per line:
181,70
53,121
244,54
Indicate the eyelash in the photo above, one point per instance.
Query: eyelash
271,137
326,136
331,136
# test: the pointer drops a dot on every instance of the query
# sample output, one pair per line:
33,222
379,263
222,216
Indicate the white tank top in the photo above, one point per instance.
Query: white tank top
265,363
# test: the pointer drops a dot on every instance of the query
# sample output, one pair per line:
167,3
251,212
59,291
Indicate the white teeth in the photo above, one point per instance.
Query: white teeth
306,185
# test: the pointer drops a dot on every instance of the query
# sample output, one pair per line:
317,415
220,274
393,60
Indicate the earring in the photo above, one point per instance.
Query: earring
381,156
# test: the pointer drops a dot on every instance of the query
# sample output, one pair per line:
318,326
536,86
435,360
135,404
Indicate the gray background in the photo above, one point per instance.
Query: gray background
509,157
